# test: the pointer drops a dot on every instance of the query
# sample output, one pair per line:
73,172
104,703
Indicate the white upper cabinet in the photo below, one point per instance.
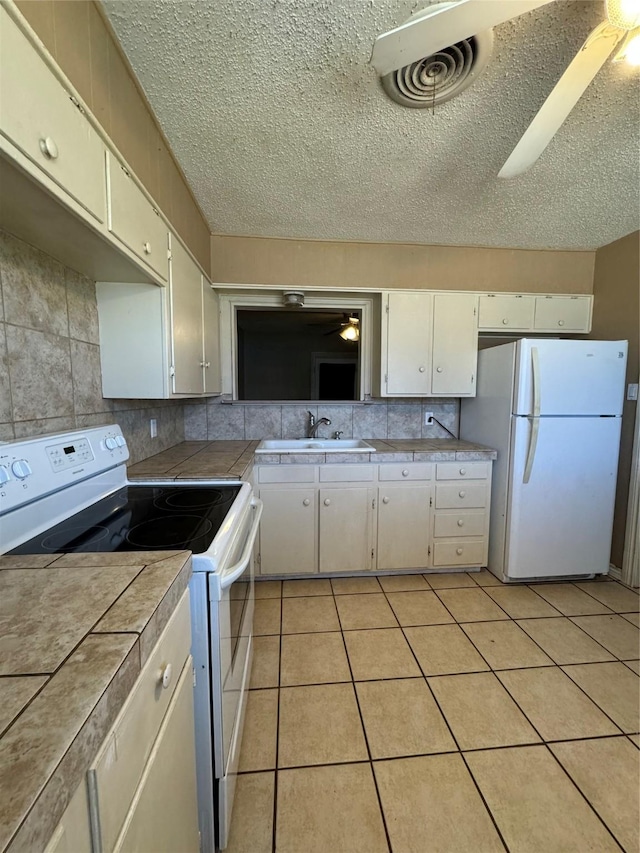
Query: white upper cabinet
186,322
499,313
211,339
46,123
511,312
429,344
134,220
455,344
563,314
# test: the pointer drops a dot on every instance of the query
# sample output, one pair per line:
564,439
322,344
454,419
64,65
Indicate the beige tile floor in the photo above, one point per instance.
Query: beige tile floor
441,714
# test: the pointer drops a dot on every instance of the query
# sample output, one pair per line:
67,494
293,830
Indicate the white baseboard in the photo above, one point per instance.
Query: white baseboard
615,572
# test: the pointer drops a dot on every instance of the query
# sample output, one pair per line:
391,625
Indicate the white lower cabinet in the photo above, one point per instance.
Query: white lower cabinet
140,791
387,517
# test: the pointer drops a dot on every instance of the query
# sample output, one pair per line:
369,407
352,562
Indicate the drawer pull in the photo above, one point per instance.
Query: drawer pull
421,369
463,471
147,248
460,523
165,676
385,500
458,551
327,502
405,472
207,364
202,364
49,148
306,502
461,493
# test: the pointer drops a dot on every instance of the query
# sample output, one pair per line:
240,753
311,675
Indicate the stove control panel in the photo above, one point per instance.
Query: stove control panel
33,468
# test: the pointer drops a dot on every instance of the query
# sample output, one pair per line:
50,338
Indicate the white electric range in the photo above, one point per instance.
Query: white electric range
69,493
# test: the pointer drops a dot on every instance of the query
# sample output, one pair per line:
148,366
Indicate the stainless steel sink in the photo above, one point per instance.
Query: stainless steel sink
320,445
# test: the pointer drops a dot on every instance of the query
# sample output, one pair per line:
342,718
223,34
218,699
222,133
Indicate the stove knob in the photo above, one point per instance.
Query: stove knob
21,469
111,443
5,476
120,441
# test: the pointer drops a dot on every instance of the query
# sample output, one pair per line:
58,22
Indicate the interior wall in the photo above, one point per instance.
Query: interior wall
616,316
50,379
300,263
81,42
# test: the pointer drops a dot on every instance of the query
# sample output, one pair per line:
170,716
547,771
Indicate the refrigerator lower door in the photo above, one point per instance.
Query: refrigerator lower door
562,492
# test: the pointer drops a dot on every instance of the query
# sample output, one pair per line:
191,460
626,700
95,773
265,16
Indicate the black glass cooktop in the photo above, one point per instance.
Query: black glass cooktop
141,518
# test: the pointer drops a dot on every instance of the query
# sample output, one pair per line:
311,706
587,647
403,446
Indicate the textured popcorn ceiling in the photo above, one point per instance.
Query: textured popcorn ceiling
283,130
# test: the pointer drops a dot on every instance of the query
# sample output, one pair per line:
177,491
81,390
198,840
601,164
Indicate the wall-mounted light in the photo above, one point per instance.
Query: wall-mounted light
351,332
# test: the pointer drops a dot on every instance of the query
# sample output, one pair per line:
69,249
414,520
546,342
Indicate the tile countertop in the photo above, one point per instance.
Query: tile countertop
75,632
232,460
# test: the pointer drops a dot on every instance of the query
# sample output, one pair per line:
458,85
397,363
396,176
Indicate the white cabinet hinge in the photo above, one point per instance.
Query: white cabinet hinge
373,504
474,312
387,308
126,171
430,501
76,103
386,378
172,371
193,670
428,550
372,553
473,378
259,559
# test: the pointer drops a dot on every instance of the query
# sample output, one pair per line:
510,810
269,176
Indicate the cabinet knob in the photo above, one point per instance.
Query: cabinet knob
306,502
438,370
405,472
463,471
147,248
49,148
505,322
327,502
460,522
207,364
462,493
385,500
164,677
458,551
421,369
561,322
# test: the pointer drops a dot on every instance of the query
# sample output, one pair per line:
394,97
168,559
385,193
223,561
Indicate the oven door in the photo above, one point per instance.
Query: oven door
231,597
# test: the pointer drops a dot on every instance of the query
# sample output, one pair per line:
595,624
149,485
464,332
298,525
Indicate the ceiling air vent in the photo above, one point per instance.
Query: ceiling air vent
437,78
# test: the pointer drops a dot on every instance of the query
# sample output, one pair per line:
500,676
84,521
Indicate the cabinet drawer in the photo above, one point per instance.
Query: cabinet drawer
406,471
286,474
506,312
346,473
459,524
562,314
118,768
39,117
454,496
462,470
134,221
458,553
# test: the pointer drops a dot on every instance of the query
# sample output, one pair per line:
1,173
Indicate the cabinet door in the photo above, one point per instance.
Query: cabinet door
186,322
563,314
403,526
211,331
346,529
500,313
455,344
40,118
73,833
164,814
407,344
134,220
288,542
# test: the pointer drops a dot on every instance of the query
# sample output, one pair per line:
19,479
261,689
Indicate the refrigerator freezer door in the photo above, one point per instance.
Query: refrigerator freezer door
572,377
560,521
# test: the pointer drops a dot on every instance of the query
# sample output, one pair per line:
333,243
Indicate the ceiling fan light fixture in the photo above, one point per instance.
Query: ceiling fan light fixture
351,332
630,50
624,14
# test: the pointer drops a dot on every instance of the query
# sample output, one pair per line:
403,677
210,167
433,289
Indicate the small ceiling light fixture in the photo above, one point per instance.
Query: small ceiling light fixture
351,331
293,298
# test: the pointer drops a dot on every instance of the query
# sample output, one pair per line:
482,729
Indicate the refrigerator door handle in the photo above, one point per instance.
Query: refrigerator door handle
535,380
531,453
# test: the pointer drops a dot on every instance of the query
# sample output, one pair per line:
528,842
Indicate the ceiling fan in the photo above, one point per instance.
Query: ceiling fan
442,25
348,329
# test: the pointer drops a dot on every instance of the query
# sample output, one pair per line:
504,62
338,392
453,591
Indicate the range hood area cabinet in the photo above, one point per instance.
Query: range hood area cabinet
160,342
429,344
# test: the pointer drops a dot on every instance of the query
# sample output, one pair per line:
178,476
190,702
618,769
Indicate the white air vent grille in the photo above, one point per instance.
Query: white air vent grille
437,78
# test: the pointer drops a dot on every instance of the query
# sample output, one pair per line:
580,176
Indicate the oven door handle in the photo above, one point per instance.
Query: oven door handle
237,570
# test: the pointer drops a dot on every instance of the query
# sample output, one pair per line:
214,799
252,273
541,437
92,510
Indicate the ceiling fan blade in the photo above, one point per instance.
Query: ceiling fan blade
565,95
428,32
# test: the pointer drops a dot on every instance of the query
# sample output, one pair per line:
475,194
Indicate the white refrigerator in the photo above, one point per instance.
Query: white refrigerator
552,409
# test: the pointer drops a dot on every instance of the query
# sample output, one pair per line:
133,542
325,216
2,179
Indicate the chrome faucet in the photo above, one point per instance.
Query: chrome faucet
312,429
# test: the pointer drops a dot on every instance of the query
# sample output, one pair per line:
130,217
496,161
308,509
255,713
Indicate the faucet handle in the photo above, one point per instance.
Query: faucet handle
338,433
312,418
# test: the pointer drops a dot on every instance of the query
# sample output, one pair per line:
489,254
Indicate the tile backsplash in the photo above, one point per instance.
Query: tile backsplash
50,378
220,419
